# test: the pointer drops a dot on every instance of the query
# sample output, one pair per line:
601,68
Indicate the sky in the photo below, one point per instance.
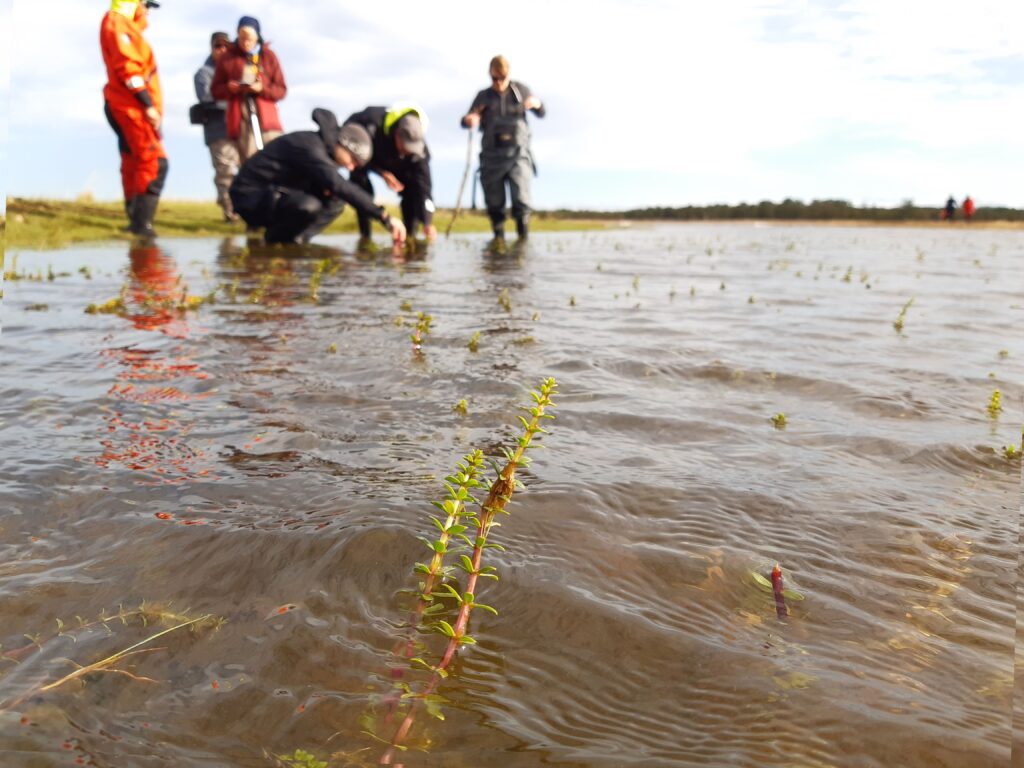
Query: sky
650,102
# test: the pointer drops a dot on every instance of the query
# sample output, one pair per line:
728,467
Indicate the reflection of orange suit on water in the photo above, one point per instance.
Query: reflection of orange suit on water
134,109
156,292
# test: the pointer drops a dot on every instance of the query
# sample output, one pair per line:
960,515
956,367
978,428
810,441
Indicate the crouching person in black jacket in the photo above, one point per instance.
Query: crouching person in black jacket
294,190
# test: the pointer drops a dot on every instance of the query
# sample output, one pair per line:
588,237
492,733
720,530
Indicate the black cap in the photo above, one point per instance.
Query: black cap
356,140
410,129
151,4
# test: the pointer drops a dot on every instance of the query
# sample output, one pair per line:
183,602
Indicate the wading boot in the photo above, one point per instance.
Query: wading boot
522,227
142,215
129,209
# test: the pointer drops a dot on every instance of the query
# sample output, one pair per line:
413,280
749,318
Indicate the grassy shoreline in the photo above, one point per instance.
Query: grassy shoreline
48,224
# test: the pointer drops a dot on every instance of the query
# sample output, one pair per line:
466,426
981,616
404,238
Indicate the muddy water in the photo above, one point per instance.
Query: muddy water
269,459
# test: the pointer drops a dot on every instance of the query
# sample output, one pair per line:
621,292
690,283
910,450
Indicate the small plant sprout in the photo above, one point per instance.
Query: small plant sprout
898,324
405,306
332,349
780,421
1011,452
1004,353
422,329
849,275
995,404
636,282
504,300
572,300
474,342
454,528
751,300
461,407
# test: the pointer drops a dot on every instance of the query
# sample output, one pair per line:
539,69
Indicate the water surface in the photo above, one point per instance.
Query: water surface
269,458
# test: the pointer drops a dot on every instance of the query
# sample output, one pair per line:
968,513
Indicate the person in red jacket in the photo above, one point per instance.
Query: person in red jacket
249,77
968,209
134,109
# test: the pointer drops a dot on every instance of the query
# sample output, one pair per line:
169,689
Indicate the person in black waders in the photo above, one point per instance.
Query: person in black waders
950,210
400,157
505,155
293,187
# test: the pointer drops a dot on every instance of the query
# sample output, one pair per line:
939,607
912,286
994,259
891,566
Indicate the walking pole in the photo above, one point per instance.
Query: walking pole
254,121
462,185
475,177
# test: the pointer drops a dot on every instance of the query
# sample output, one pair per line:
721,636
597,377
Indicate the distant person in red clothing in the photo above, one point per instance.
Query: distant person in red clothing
134,108
968,208
249,77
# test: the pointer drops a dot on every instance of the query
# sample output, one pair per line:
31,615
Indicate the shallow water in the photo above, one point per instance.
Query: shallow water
224,460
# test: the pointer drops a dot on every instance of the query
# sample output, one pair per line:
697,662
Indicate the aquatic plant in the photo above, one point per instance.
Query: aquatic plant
474,342
849,275
898,324
1004,353
780,421
144,615
751,300
636,282
300,758
461,407
504,300
332,348
572,300
774,585
433,588
995,404
114,306
423,322
1011,452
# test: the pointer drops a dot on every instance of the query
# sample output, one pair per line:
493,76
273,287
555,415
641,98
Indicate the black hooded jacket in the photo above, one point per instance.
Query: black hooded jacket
300,161
414,174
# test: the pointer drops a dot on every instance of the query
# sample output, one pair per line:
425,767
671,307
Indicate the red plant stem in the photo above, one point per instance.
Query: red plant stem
500,494
780,599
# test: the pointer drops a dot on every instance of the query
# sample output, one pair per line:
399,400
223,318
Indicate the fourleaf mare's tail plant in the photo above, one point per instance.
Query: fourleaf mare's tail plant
458,520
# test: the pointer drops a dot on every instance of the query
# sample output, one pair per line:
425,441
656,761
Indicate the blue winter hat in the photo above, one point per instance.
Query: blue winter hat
250,21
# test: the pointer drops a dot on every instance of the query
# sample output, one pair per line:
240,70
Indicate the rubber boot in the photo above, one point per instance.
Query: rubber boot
522,227
129,209
142,215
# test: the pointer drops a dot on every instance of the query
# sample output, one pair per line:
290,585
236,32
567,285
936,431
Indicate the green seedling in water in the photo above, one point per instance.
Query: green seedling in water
849,275
461,407
504,300
459,520
474,342
572,300
523,340
85,272
780,421
299,759
751,300
332,349
636,283
898,324
1011,452
1004,353
995,404
422,329
405,306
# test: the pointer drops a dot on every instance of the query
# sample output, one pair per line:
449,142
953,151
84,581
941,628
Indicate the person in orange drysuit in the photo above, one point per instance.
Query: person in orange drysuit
968,208
134,109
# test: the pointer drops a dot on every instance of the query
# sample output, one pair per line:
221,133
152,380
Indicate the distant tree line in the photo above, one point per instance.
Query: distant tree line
795,210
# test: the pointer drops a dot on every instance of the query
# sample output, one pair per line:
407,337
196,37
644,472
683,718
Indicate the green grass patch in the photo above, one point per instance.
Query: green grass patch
42,224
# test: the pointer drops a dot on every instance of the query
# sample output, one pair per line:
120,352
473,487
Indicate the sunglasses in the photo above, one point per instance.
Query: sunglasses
498,79
218,46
